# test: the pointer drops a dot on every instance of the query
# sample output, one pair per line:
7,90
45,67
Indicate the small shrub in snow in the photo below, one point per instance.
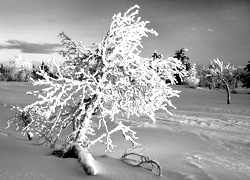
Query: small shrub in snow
191,80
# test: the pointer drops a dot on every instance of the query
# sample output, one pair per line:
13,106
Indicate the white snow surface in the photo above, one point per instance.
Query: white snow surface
206,139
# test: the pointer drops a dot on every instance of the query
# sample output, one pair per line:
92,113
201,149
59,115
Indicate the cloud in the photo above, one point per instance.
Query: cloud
35,48
210,30
202,29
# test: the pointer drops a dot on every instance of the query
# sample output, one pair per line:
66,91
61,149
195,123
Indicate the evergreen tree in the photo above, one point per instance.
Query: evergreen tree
183,56
246,79
2,69
239,75
157,63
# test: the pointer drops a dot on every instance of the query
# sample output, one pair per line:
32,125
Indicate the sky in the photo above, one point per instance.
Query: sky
208,28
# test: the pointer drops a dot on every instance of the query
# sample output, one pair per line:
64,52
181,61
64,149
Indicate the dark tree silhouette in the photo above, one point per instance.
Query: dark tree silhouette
182,55
246,79
2,69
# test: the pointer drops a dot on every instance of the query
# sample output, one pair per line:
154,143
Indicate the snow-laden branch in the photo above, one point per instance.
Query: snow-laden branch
217,68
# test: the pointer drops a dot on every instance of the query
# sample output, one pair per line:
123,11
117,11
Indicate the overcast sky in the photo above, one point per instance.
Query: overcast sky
208,28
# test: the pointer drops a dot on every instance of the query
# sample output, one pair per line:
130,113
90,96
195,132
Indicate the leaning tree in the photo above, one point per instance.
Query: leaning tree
223,73
112,79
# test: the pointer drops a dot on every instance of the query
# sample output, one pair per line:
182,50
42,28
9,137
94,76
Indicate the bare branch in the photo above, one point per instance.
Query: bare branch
139,159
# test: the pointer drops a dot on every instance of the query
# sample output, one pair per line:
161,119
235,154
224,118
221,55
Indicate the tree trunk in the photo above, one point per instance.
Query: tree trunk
228,93
227,89
90,107
76,150
85,159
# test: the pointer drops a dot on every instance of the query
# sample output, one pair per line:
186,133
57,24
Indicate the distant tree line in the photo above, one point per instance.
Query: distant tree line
22,70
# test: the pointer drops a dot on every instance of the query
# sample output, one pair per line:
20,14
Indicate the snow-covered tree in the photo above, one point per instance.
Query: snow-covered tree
20,68
112,79
20,62
223,73
191,79
182,55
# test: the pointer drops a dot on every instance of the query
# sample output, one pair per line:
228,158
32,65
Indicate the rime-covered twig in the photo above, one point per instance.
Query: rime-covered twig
141,160
127,133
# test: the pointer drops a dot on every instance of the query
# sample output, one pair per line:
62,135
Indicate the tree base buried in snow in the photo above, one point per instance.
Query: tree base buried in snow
85,159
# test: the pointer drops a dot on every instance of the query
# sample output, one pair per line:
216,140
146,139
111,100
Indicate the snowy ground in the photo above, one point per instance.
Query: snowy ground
205,139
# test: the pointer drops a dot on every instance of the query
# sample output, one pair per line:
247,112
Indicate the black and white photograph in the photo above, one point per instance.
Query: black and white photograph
124,89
